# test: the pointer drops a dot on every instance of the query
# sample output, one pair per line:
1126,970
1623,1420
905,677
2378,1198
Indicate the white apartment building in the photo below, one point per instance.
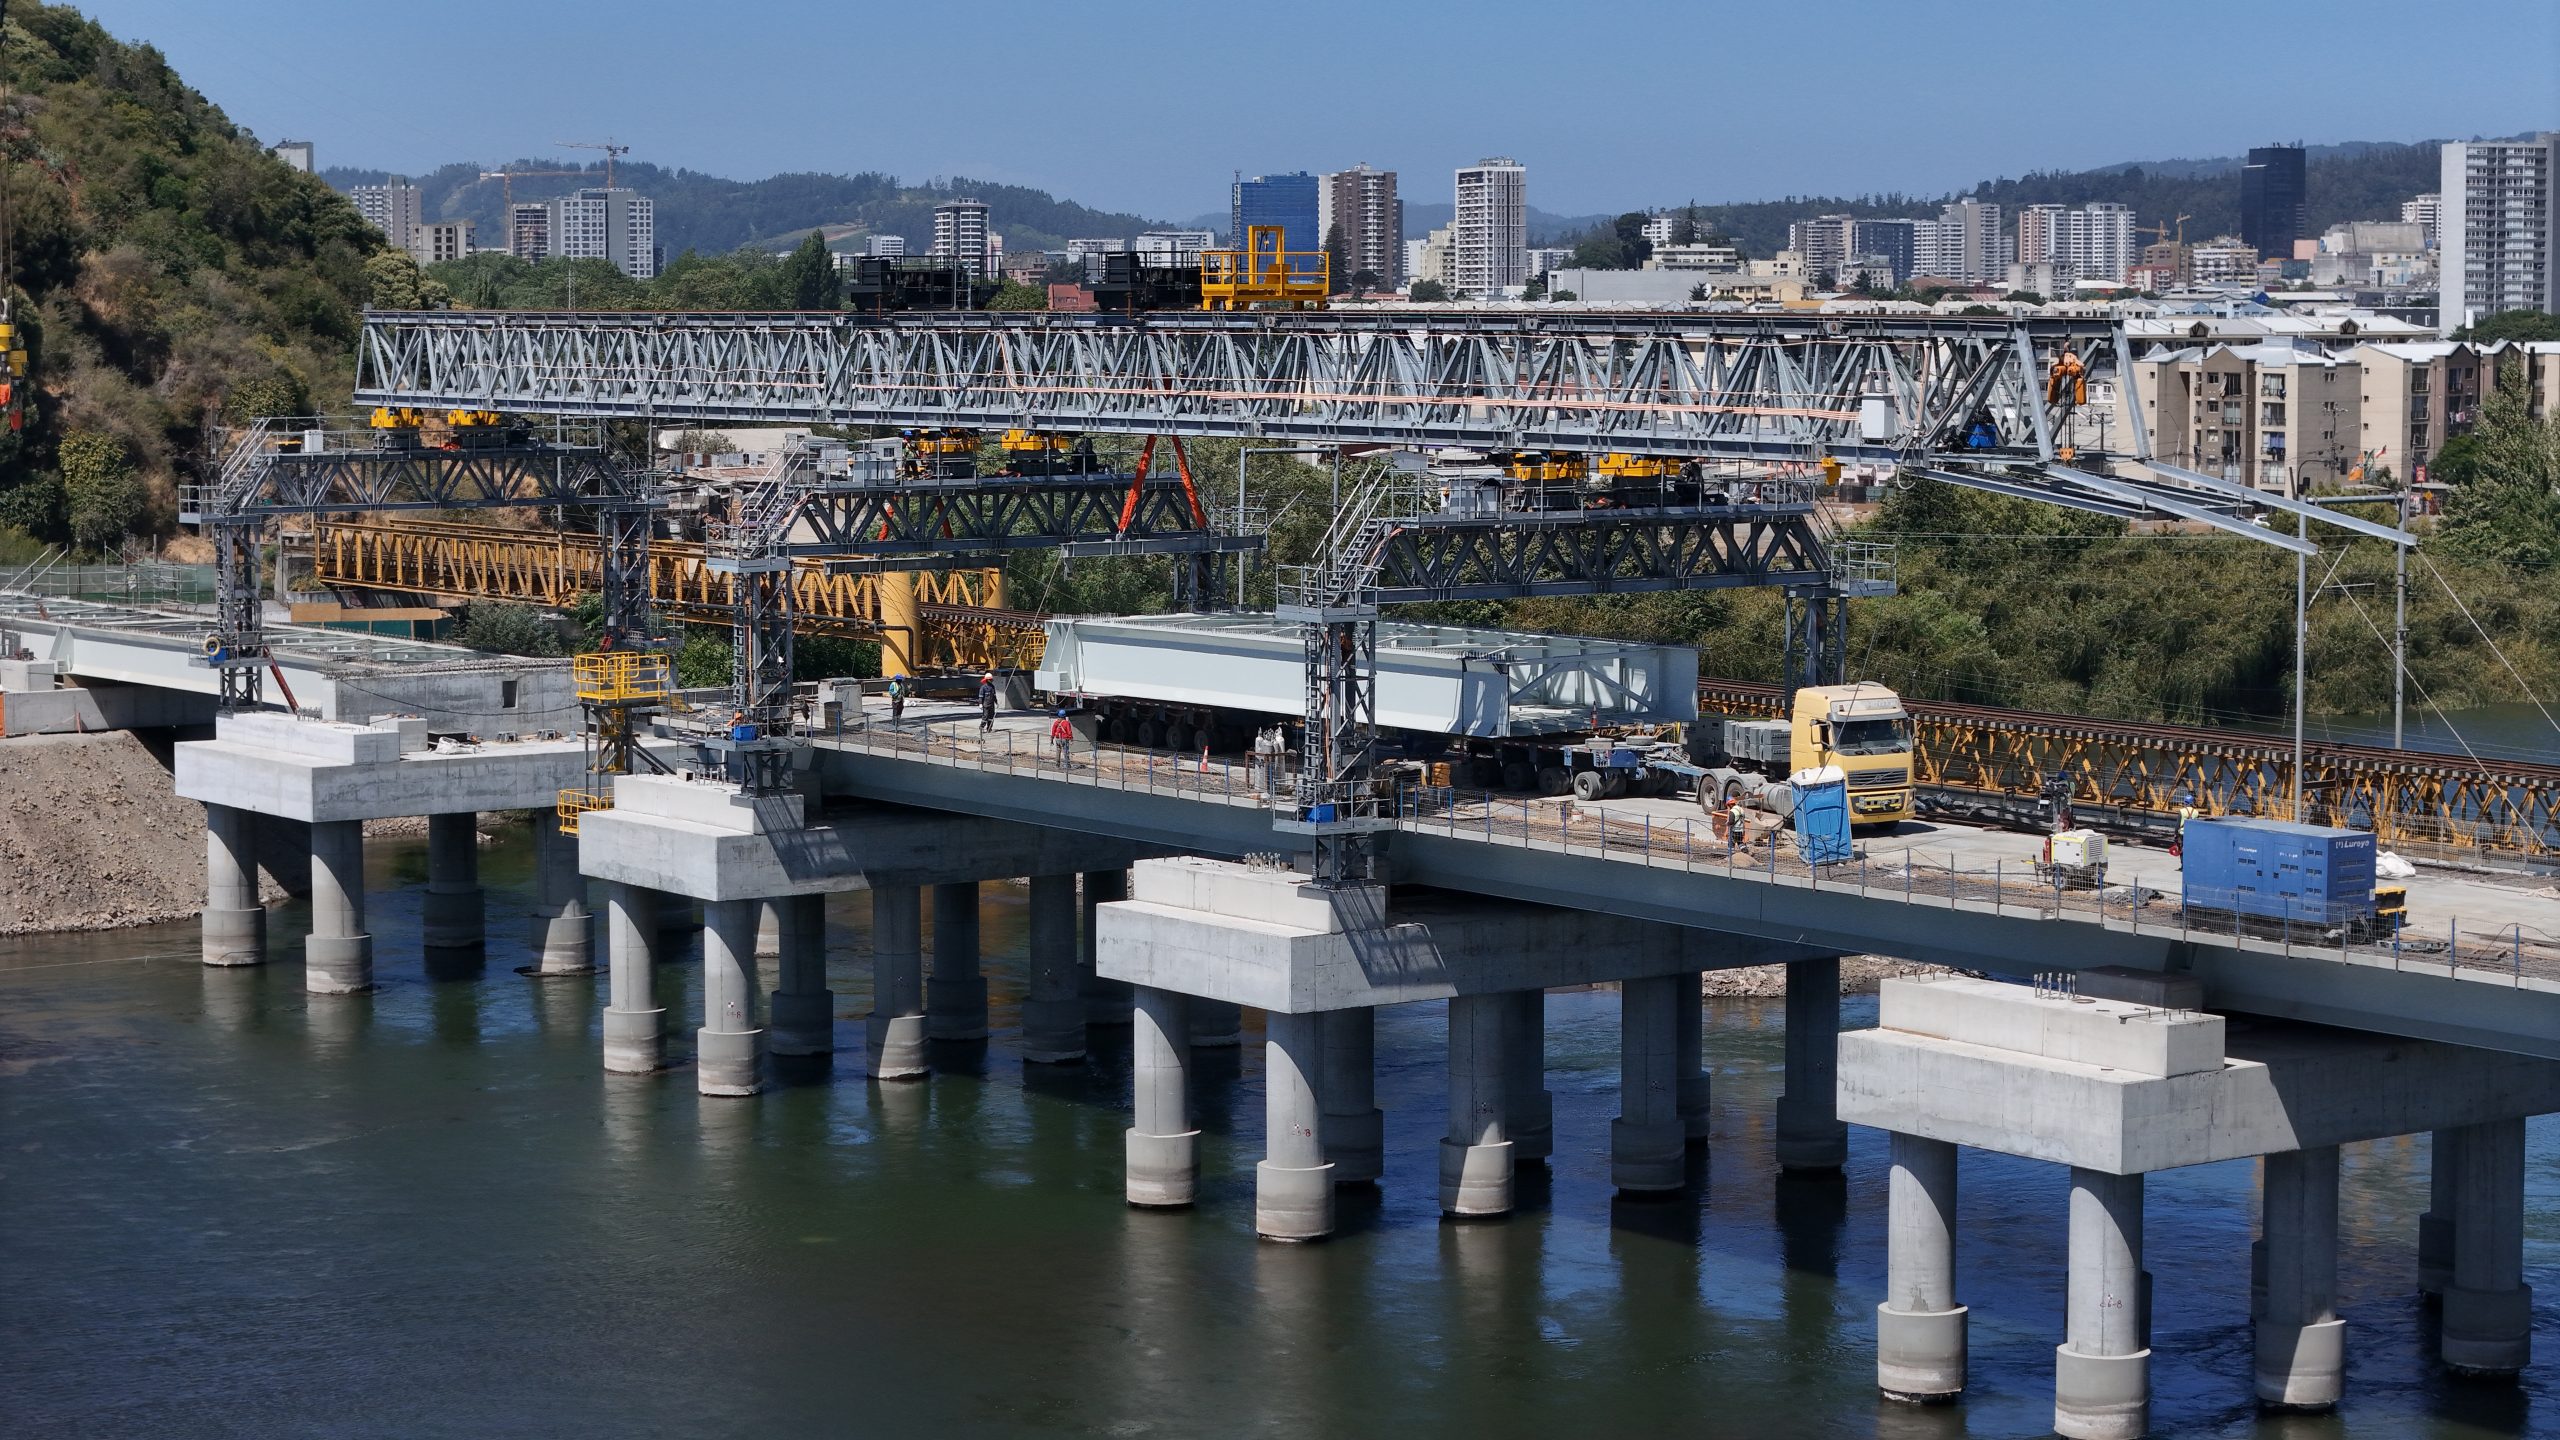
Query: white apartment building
1699,256
891,245
529,230
960,234
1088,254
617,226
1174,247
296,154
1489,238
1824,242
1430,258
2224,260
394,208
1543,261
2098,242
1974,242
2040,234
2425,212
2499,229
443,240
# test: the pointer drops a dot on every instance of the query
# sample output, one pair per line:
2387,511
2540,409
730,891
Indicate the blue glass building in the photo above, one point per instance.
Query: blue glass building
1288,201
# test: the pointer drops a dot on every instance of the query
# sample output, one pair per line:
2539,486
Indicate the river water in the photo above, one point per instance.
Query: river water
227,1208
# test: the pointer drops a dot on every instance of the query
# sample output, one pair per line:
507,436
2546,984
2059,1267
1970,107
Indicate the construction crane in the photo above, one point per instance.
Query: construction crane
2160,232
607,145
506,182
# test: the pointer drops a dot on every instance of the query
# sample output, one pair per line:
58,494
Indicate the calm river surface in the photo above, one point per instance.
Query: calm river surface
227,1208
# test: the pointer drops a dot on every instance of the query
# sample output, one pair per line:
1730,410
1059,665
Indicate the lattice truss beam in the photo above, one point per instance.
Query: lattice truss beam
1080,515
1881,390
1595,552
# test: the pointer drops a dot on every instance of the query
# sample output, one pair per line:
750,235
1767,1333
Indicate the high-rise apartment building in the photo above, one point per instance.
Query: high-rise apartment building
2273,195
529,230
2098,242
1973,243
1288,201
2425,212
1173,247
617,226
884,245
395,208
2498,233
1826,242
1362,202
2040,230
1895,240
1489,237
296,154
2223,260
443,240
960,234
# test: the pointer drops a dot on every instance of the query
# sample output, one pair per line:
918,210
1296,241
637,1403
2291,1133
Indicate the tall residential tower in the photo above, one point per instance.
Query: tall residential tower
1489,239
2497,232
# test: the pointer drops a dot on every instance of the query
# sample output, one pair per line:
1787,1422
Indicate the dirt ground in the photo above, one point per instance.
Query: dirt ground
91,838
1859,975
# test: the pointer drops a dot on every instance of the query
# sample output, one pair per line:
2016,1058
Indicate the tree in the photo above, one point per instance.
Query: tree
1698,291
394,282
1337,258
507,629
2024,297
1430,292
1536,289
105,497
1826,280
1364,281
1684,231
2511,325
1017,296
1560,296
809,276
2505,504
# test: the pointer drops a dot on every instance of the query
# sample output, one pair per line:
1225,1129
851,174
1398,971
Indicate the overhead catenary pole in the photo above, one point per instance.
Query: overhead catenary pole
2301,638
2400,624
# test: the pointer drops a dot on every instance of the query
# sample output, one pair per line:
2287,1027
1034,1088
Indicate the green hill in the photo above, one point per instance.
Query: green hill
165,270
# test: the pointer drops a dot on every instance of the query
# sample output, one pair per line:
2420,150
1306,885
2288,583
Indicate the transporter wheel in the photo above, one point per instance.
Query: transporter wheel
1177,736
1148,734
1517,776
1616,785
1588,785
1707,797
1552,781
1732,791
1116,730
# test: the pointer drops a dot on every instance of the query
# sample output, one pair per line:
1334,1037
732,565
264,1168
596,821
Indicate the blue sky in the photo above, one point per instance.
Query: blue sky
1152,107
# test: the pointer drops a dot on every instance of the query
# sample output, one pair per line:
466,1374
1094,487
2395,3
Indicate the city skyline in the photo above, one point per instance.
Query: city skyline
511,103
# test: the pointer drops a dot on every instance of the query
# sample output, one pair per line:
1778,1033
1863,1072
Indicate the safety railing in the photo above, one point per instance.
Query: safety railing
575,803
2510,954
607,676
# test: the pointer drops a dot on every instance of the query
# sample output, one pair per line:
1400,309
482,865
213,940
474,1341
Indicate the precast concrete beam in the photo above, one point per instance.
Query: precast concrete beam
955,991
337,956
452,915
323,770
1163,1146
1293,1185
1475,1158
1920,1329
1647,1148
1810,1133
729,1048
1053,1010
2301,1342
634,1023
803,1012
896,1027
563,939
235,924
2488,1308
2102,1369
1355,1131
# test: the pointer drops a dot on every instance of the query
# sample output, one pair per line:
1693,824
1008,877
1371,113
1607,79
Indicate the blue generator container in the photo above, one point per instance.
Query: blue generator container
2279,871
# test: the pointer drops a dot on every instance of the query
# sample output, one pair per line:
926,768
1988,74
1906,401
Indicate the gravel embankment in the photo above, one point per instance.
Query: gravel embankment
91,837
1859,975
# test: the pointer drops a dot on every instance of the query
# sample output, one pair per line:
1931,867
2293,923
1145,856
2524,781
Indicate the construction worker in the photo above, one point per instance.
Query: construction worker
1062,733
740,728
2186,811
897,698
986,704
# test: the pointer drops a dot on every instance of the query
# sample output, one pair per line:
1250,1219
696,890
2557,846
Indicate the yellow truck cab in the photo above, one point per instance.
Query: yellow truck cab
1864,730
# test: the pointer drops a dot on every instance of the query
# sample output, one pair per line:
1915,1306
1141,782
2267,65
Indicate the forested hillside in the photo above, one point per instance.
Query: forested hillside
165,271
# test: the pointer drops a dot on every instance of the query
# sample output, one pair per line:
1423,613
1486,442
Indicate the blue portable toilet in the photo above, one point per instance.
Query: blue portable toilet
1821,814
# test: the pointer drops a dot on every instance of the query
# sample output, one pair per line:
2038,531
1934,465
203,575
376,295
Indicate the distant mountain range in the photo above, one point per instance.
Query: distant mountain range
2361,179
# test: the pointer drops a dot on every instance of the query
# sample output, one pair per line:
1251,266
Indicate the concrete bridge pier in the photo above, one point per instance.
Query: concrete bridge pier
1163,1145
1216,1024
235,924
1053,1011
2301,1349
1811,1135
1688,1038
1532,1119
1293,1186
1475,1157
769,930
337,956
635,1041
2102,1369
729,1048
2435,1225
452,915
1355,1131
896,1027
1647,1145
2488,1309
563,940
802,1010
1920,1329
955,994
1106,1002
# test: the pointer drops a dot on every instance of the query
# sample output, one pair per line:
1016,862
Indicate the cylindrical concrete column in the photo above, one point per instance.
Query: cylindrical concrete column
635,1041
1355,1132
895,1028
804,1009
955,994
235,924
2301,1352
2488,1309
1647,1148
1053,1011
1530,1120
728,1052
1216,1024
1106,1002
563,940
1920,1329
1163,1147
2102,1369
1293,1186
1475,1158
337,956
1810,1133
1687,1041
450,915
2435,1225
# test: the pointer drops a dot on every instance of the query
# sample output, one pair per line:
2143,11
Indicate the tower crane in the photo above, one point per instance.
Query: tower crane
607,145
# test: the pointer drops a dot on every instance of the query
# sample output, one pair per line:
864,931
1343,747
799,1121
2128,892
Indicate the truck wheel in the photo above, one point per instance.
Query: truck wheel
1175,735
1588,785
1732,791
1516,776
1615,786
1552,781
1707,796
1148,734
